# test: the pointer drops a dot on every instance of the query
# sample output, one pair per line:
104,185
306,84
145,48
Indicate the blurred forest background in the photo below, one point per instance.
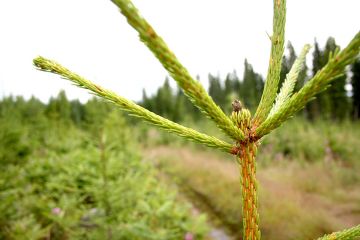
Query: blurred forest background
73,170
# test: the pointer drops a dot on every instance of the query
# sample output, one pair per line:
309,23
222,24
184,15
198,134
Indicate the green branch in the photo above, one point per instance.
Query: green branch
348,234
129,106
332,70
277,51
289,84
193,89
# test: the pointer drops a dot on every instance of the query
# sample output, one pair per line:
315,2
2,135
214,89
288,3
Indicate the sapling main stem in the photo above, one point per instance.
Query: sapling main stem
246,154
249,186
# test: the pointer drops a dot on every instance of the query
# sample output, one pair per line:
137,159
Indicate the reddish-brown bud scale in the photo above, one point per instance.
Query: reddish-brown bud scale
236,105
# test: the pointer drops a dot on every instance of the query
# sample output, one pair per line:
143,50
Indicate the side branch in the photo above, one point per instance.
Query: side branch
277,51
332,70
129,106
347,234
288,85
193,89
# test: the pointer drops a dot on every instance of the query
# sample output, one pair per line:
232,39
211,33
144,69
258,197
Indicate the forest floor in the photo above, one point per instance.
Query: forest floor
287,189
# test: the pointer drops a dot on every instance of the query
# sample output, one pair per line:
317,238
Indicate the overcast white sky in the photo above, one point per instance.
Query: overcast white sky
92,38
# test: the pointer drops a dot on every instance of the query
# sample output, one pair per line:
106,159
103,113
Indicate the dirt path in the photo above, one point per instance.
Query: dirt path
216,232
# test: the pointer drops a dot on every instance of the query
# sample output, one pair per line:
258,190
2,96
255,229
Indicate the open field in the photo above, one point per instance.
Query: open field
86,174
297,201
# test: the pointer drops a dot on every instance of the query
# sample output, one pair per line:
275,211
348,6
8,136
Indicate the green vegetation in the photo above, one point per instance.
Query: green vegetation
58,161
274,109
309,184
62,181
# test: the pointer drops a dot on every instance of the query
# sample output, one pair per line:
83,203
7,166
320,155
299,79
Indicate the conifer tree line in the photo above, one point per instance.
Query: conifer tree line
336,103
340,101
58,110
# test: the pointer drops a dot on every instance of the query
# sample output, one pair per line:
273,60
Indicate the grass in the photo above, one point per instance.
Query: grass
308,186
314,141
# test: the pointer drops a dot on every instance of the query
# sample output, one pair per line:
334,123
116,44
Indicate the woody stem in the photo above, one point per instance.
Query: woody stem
249,186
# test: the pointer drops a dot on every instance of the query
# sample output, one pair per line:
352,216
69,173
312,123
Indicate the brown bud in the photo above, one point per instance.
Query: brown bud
236,105
235,150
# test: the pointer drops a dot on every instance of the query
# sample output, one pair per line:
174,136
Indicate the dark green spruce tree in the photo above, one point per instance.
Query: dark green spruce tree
146,102
323,101
355,82
59,108
179,110
334,103
77,112
287,62
252,86
216,90
340,107
232,90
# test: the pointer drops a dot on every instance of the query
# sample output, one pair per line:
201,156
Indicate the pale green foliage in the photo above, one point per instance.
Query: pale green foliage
131,107
245,133
347,234
332,70
289,84
241,119
277,51
193,89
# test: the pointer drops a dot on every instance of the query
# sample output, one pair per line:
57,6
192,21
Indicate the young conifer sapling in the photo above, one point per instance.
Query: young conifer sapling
245,130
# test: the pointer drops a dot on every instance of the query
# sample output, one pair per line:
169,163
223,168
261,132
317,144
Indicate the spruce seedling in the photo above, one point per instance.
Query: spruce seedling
246,132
